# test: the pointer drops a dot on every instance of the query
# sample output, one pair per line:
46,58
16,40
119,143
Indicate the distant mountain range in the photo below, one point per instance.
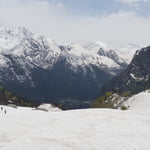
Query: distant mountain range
37,68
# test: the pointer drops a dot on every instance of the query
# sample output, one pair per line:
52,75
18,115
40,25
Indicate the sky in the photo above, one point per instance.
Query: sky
118,23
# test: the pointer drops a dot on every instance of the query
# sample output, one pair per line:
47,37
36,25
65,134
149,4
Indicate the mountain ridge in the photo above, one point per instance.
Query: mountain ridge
38,68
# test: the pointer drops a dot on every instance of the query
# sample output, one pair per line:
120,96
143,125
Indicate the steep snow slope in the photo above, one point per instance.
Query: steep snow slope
27,129
139,102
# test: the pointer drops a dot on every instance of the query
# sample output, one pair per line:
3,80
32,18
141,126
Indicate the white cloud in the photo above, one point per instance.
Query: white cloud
44,18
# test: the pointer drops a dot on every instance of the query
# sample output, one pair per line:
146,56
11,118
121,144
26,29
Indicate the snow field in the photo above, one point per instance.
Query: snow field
89,129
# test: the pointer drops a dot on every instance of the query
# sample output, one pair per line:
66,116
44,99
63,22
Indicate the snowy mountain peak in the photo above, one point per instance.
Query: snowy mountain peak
9,38
19,33
14,38
95,46
23,43
78,50
103,45
45,53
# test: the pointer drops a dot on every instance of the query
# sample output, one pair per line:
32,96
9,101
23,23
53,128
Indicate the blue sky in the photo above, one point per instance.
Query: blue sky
100,7
118,23
89,7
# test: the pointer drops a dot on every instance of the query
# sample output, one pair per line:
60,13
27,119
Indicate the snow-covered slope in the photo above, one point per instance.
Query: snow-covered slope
139,102
91,129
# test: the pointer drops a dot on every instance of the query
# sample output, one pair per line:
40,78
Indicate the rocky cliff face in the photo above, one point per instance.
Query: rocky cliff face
136,77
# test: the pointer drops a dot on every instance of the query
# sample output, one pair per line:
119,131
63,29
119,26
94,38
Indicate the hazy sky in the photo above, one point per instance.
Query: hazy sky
116,22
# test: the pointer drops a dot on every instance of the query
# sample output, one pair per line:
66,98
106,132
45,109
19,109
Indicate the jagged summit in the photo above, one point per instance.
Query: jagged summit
44,52
11,37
